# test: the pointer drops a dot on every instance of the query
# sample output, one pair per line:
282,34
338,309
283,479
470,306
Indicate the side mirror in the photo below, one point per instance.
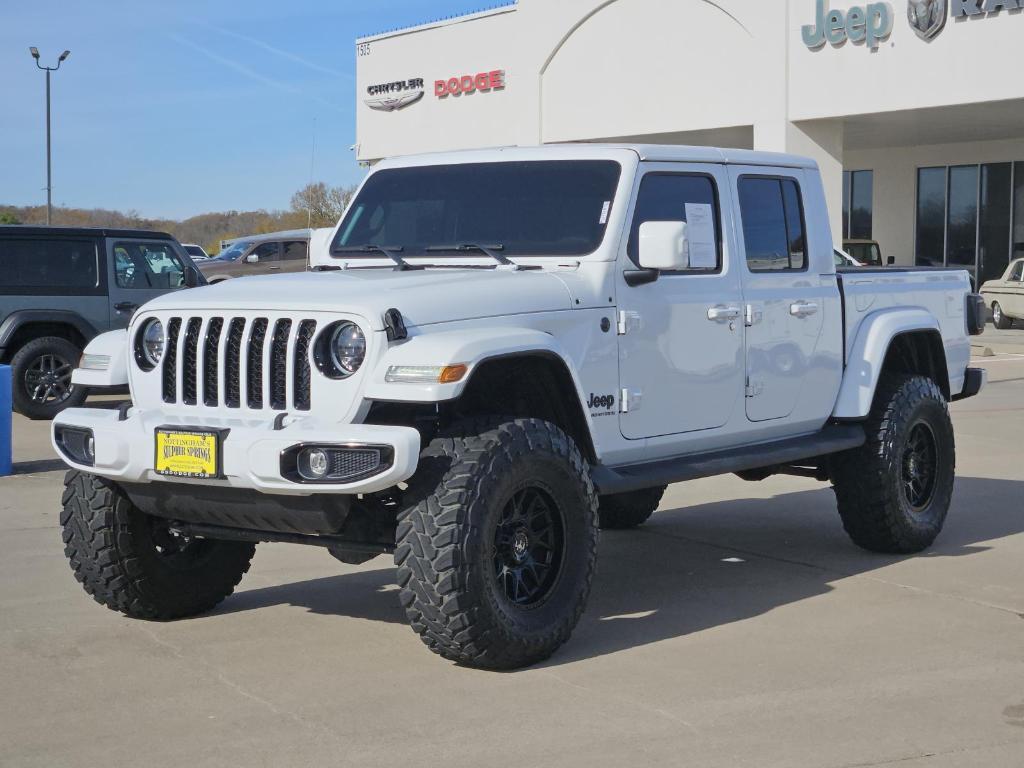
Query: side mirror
252,258
890,261
664,245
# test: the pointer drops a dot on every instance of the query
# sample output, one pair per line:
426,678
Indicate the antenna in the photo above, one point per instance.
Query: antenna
312,163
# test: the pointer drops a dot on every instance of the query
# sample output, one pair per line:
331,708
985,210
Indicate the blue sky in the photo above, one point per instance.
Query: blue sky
178,108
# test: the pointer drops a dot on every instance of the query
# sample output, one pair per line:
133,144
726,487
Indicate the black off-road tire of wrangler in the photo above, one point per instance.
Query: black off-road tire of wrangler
108,542
445,550
628,510
20,363
867,480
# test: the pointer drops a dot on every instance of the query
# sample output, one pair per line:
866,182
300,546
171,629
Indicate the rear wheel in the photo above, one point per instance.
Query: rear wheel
134,563
628,510
498,544
41,372
894,491
999,318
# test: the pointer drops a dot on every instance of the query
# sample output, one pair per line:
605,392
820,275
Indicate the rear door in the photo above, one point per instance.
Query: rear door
141,270
681,336
294,255
784,301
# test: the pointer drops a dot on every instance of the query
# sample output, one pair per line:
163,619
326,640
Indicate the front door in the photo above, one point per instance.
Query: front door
681,336
140,271
784,301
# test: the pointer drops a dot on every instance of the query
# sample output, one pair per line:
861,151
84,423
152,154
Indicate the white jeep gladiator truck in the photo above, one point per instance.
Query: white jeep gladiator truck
511,349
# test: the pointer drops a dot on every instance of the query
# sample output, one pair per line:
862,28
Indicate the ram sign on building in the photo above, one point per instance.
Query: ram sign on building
914,109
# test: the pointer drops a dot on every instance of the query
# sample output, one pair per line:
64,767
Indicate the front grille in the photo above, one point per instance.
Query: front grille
221,360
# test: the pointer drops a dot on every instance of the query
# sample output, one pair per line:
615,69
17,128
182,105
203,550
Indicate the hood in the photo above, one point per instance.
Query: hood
422,296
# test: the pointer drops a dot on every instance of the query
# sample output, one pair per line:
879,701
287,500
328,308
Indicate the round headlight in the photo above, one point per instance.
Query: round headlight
151,344
348,348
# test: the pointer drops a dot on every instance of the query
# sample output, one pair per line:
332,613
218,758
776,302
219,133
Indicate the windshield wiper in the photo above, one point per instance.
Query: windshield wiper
490,250
391,251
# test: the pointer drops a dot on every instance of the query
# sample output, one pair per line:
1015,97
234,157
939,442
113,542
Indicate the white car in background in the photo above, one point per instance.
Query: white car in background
1005,295
195,251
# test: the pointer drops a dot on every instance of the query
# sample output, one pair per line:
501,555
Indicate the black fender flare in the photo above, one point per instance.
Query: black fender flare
22,317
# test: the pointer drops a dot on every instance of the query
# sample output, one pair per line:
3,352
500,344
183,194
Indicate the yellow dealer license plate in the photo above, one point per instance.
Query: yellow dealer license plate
187,453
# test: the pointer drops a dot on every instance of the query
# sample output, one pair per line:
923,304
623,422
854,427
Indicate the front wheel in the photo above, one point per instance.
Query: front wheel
999,318
894,491
497,544
41,372
134,563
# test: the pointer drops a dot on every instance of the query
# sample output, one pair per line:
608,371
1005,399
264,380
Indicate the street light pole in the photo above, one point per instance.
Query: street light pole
49,185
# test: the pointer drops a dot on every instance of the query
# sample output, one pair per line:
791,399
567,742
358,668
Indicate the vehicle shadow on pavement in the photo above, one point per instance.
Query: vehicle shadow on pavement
692,568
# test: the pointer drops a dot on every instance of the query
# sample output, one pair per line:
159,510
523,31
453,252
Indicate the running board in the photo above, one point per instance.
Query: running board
833,438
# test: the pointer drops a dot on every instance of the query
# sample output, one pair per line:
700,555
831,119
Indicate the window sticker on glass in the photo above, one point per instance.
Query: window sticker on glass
604,212
700,232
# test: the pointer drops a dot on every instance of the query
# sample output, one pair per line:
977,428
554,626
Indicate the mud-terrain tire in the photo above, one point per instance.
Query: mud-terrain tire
628,510
41,378
129,562
894,491
999,318
497,542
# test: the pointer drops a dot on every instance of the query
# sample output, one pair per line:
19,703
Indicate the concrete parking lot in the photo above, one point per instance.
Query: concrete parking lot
740,627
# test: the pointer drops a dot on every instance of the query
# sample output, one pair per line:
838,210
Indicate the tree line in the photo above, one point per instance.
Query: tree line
317,205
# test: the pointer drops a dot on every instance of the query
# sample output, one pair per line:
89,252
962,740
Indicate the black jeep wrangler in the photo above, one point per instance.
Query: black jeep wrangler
61,286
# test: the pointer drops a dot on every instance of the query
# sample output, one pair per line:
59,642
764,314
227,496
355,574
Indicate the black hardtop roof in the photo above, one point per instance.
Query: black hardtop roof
33,229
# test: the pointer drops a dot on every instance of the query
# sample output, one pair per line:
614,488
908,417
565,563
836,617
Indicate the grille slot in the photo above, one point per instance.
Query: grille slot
254,385
170,369
279,365
210,348
188,366
239,362
233,364
302,372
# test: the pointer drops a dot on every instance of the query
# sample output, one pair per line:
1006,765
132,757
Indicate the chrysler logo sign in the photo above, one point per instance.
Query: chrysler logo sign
387,97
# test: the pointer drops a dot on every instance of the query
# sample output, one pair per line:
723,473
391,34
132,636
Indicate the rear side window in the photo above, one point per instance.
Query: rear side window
294,250
664,197
147,265
773,224
1017,271
54,267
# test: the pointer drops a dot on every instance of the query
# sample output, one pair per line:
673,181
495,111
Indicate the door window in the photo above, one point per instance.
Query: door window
664,197
295,250
147,265
1017,272
266,252
48,266
773,228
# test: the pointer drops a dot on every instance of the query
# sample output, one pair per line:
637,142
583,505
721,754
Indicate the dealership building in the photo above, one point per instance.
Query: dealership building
913,109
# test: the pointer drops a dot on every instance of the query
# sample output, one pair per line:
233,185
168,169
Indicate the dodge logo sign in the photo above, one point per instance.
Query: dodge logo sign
388,97
927,17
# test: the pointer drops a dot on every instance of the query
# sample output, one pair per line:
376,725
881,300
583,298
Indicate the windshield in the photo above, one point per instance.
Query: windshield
232,253
535,208
195,250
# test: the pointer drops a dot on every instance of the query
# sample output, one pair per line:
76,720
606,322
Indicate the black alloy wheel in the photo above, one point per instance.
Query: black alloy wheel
529,545
920,459
47,380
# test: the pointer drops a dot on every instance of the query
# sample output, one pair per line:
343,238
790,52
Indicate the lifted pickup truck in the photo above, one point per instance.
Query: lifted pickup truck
514,348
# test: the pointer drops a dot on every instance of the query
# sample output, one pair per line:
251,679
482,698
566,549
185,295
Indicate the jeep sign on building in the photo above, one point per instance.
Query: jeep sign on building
914,109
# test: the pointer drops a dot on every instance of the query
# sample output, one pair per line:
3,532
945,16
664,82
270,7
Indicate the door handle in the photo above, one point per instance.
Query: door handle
126,306
274,266
722,312
802,308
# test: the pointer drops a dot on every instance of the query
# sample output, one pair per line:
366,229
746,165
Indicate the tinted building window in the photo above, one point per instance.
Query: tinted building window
962,217
663,197
862,186
773,231
1018,211
931,217
994,220
48,264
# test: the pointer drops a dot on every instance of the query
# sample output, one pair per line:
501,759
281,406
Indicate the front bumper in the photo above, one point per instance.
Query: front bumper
251,449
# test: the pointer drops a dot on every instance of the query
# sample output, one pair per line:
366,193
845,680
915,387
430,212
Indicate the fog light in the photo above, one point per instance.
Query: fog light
77,444
313,463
